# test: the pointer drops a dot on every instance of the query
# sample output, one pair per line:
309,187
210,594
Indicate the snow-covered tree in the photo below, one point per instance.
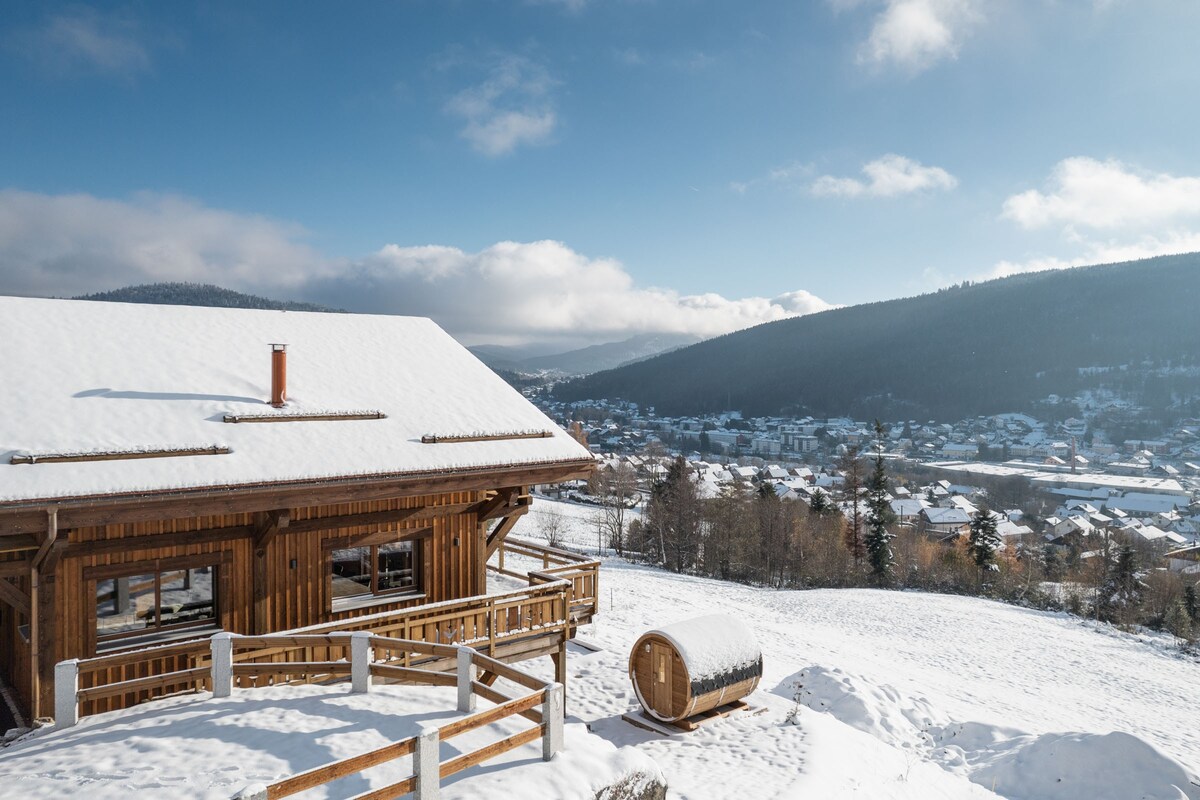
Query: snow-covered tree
984,540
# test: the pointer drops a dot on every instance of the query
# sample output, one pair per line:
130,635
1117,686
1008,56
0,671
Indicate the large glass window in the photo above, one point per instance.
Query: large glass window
136,605
375,569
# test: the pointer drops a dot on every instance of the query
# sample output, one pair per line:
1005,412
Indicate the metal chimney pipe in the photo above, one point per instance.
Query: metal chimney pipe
278,375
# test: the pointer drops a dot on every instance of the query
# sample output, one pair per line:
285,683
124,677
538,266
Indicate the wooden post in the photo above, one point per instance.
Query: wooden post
427,765
222,664
466,675
553,711
42,620
560,666
66,690
360,661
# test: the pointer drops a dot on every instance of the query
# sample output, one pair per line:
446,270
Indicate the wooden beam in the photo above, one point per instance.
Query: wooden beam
268,528
80,512
14,597
41,622
487,509
377,537
497,536
15,569
18,543
156,541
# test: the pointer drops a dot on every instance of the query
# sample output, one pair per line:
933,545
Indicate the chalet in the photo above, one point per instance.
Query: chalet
172,472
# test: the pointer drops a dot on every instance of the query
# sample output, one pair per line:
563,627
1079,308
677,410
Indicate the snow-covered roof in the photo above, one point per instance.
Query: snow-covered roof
713,645
88,377
946,516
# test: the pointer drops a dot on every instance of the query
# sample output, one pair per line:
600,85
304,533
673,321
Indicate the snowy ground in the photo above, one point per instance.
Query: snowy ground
903,694
194,746
865,694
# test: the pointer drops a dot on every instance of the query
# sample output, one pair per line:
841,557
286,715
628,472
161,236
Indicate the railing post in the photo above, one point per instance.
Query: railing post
222,664
466,676
360,662
66,692
552,718
427,765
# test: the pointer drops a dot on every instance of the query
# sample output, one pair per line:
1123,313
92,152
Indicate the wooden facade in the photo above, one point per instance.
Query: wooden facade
269,549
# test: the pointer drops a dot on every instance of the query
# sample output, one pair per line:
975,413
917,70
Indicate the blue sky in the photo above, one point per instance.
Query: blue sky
584,170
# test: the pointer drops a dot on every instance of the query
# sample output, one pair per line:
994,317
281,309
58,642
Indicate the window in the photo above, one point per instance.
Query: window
157,601
376,569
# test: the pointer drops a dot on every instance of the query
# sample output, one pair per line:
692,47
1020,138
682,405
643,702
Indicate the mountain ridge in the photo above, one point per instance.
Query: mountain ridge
970,349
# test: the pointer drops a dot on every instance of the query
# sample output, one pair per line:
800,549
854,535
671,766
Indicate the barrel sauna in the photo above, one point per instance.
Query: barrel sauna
692,666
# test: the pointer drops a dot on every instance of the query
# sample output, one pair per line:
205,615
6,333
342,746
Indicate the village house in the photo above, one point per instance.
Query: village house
172,472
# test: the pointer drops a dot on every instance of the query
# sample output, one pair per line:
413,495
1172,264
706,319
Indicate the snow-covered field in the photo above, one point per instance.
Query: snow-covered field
903,694
865,693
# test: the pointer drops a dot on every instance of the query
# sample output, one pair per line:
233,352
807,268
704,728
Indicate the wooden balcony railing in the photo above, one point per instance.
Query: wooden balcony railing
513,625
556,565
360,662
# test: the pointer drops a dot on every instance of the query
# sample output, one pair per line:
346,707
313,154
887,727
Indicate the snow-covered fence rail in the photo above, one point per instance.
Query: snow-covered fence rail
492,623
428,768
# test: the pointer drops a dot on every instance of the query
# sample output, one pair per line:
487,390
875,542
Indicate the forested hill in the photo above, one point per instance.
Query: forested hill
198,294
974,349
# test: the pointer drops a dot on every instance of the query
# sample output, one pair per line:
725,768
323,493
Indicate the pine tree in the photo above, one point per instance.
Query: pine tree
1121,593
984,540
673,513
819,504
1191,602
1179,624
879,515
852,534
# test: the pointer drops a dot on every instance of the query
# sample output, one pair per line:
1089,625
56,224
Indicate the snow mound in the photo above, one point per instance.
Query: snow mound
1011,763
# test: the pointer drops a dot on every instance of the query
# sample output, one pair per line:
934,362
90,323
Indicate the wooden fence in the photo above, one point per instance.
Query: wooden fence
510,625
361,661
506,624
557,564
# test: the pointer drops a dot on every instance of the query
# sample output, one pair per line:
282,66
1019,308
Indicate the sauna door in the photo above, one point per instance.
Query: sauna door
660,660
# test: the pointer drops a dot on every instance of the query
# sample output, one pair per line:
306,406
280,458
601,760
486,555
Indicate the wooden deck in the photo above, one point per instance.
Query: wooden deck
365,658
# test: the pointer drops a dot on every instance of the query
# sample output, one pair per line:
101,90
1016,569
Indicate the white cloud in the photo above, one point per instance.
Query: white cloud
509,292
84,38
1105,195
512,107
1105,252
887,176
515,290
788,175
75,244
1106,212
916,34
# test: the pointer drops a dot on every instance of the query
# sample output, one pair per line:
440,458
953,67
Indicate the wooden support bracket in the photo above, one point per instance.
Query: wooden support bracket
14,597
502,530
269,527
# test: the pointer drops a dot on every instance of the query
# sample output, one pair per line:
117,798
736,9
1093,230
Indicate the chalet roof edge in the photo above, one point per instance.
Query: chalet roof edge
94,500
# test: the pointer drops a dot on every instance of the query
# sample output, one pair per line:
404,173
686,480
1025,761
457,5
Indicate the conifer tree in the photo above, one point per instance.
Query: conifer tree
1178,623
984,540
852,534
819,504
1121,593
879,515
